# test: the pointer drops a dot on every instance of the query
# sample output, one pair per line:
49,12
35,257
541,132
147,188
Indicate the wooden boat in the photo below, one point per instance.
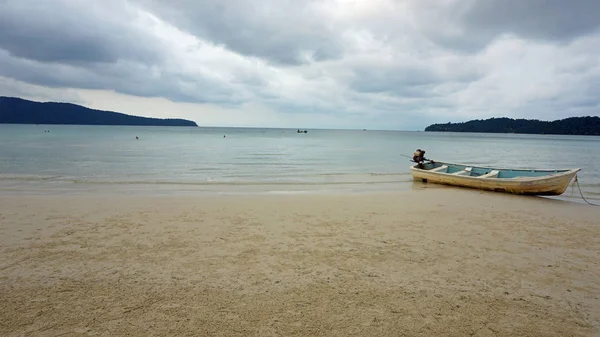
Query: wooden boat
517,181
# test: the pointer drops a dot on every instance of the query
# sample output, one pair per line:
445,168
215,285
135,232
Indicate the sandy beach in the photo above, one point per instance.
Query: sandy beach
425,262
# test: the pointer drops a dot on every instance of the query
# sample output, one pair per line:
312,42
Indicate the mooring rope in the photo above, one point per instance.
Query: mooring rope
576,181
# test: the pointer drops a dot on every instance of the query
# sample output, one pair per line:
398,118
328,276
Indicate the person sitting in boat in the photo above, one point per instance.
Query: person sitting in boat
419,157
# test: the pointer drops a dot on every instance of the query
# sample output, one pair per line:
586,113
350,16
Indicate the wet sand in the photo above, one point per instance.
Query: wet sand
427,262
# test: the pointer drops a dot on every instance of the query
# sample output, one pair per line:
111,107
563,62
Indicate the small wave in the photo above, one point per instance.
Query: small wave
588,196
254,155
382,174
28,177
585,192
594,185
202,169
237,183
283,165
392,174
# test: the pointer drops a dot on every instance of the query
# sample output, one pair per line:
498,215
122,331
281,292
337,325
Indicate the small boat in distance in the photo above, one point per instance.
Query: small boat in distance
516,181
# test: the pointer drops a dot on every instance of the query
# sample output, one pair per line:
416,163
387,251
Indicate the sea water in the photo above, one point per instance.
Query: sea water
97,159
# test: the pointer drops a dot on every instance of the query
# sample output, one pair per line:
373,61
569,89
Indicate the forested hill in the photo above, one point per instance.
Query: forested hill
569,126
20,111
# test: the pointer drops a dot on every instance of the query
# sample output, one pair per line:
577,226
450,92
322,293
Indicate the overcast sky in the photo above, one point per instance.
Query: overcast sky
377,64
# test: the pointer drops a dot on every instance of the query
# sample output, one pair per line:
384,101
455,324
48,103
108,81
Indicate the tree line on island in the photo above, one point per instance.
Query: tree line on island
20,111
15,110
568,126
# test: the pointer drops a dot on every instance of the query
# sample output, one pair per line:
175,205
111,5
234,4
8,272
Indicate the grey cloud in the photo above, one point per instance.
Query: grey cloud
127,78
376,80
470,25
548,110
10,87
535,19
585,96
49,75
403,91
588,102
72,32
411,81
66,44
282,32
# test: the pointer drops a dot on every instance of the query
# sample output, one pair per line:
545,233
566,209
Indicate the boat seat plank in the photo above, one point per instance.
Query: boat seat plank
492,174
461,173
442,168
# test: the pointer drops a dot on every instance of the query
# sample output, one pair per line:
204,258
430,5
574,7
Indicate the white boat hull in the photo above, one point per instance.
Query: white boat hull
551,184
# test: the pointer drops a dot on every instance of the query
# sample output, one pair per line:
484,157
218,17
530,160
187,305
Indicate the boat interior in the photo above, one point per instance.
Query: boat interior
485,172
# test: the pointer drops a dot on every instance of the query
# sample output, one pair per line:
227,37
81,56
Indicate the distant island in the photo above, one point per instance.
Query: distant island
568,126
20,111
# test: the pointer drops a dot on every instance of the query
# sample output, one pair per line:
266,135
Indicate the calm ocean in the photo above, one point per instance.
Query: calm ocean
178,159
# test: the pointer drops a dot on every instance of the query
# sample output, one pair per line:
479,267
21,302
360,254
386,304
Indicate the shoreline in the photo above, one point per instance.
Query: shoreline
259,190
427,261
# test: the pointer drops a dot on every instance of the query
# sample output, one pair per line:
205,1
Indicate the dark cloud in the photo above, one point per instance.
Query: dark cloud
470,25
408,81
534,19
127,78
285,32
74,32
12,88
392,79
66,44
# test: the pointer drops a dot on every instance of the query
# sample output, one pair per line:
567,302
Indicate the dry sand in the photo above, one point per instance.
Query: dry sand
427,262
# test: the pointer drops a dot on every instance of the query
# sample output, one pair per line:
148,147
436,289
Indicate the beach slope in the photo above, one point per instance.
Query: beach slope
427,262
